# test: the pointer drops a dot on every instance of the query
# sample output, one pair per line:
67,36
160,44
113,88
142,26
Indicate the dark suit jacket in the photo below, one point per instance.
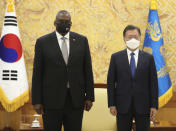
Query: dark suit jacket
123,88
51,74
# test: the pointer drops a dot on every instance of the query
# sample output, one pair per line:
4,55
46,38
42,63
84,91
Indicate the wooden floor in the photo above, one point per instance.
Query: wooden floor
162,126
159,126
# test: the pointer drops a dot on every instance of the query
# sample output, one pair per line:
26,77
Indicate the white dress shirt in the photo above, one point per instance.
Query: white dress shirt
59,38
136,53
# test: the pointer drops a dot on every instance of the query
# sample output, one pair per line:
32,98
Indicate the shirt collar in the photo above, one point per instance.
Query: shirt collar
136,52
59,36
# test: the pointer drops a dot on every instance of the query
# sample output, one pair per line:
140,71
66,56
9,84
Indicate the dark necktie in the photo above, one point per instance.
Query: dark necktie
132,64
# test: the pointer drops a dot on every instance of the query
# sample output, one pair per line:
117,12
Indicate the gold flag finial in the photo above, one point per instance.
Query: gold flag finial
10,7
153,5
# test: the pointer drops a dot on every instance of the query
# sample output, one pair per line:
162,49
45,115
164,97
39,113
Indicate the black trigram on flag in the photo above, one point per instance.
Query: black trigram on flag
10,21
9,75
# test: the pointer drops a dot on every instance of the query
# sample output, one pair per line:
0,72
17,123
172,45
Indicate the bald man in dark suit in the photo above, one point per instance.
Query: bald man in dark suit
62,83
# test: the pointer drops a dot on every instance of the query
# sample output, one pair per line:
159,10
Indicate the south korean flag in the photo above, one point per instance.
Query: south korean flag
14,91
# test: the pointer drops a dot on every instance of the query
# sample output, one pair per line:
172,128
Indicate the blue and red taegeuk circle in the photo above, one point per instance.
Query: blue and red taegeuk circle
10,48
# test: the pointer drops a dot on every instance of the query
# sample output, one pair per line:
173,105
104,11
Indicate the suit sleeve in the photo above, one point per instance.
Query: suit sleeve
111,82
88,73
37,75
153,85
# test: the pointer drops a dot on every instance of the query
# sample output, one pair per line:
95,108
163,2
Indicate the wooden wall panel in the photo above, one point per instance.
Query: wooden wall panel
14,119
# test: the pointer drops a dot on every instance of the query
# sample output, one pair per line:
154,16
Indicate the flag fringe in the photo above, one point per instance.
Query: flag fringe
11,106
165,97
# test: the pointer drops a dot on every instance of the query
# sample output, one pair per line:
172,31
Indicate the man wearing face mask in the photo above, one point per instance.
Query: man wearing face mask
132,84
62,83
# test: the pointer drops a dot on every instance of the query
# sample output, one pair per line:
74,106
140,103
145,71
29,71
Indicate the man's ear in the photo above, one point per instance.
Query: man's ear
55,23
124,39
139,38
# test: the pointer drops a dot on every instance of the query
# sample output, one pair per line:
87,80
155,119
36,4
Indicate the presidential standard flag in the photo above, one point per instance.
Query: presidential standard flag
14,91
153,43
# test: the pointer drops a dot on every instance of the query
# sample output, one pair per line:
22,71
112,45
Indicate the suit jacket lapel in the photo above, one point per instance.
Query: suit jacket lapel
125,57
140,61
72,41
56,47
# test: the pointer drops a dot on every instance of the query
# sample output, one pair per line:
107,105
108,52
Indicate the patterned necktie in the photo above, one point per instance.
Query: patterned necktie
64,50
132,64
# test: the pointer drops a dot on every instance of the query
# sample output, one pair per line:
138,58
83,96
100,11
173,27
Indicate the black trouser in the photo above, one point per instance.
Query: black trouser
124,121
69,117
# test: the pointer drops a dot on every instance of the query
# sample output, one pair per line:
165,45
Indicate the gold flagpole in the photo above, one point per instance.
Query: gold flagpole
10,8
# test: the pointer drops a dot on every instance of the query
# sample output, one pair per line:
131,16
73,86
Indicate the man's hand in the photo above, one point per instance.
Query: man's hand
113,110
153,112
38,108
88,105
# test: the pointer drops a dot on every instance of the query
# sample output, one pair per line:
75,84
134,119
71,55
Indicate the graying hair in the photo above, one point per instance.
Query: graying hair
63,12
